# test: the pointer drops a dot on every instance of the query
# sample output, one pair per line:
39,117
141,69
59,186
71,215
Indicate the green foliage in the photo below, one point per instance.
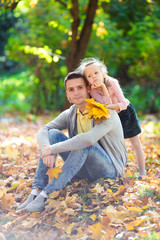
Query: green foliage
107,43
145,60
134,56
15,92
154,236
145,98
125,35
21,92
146,192
127,12
7,20
37,51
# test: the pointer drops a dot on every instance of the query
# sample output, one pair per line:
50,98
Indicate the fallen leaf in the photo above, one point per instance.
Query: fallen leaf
96,231
2,237
70,228
135,209
28,223
69,211
6,201
53,173
97,189
93,217
11,152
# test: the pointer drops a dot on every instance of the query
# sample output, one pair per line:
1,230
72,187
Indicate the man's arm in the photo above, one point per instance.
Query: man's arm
83,140
59,122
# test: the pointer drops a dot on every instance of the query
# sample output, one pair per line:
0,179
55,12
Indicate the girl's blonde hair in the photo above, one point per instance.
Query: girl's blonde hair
89,61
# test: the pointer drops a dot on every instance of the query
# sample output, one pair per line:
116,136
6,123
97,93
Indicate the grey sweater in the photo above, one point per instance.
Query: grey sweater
108,134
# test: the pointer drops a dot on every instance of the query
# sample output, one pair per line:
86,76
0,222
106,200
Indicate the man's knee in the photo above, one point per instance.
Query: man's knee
53,134
56,136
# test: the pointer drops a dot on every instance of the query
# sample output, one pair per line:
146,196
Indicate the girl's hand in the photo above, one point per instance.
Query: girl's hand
100,85
46,151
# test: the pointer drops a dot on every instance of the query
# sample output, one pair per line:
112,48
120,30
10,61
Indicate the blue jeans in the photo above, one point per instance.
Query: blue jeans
91,162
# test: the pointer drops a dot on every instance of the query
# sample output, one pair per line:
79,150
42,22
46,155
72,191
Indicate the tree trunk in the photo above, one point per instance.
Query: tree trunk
79,47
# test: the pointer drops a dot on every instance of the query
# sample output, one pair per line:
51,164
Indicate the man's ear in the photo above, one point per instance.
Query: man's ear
69,100
68,97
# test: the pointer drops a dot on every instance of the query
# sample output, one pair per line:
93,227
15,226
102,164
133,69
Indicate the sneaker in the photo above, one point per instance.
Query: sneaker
37,205
30,198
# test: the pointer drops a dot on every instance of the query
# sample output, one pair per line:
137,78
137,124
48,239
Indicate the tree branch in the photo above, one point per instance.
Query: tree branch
75,24
62,3
9,5
78,47
87,27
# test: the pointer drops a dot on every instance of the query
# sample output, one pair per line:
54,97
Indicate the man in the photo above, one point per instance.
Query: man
92,150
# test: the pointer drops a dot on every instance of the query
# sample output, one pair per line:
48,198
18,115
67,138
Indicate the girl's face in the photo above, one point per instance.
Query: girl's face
93,74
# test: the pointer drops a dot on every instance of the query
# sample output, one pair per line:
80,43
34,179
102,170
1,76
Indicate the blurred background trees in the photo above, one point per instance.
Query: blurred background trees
43,40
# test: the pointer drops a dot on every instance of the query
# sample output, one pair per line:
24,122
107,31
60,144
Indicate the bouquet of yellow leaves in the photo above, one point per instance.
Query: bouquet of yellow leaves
96,110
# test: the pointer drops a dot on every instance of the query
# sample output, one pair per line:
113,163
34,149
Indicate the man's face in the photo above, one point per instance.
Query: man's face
77,91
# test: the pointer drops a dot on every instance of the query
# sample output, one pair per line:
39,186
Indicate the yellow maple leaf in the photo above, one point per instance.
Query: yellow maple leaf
97,189
2,192
105,221
135,209
28,223
141,220
80,233
70,228
120,189
53,173
54,194
35,215
96,110
132,225
12,153
70,211
62,224
96,230
93,217
76,184
6,201
109,190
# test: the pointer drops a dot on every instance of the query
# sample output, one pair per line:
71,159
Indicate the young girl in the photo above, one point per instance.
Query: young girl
106,89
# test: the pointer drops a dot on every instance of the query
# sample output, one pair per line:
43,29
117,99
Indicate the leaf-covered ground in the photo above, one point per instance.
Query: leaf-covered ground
107,209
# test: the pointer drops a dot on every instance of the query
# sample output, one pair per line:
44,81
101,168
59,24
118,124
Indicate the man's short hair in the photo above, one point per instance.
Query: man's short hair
72,75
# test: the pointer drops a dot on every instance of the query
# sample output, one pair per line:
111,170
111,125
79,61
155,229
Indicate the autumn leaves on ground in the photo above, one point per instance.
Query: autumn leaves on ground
106,209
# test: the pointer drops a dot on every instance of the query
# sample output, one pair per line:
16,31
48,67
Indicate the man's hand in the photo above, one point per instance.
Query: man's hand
46,151
49,161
